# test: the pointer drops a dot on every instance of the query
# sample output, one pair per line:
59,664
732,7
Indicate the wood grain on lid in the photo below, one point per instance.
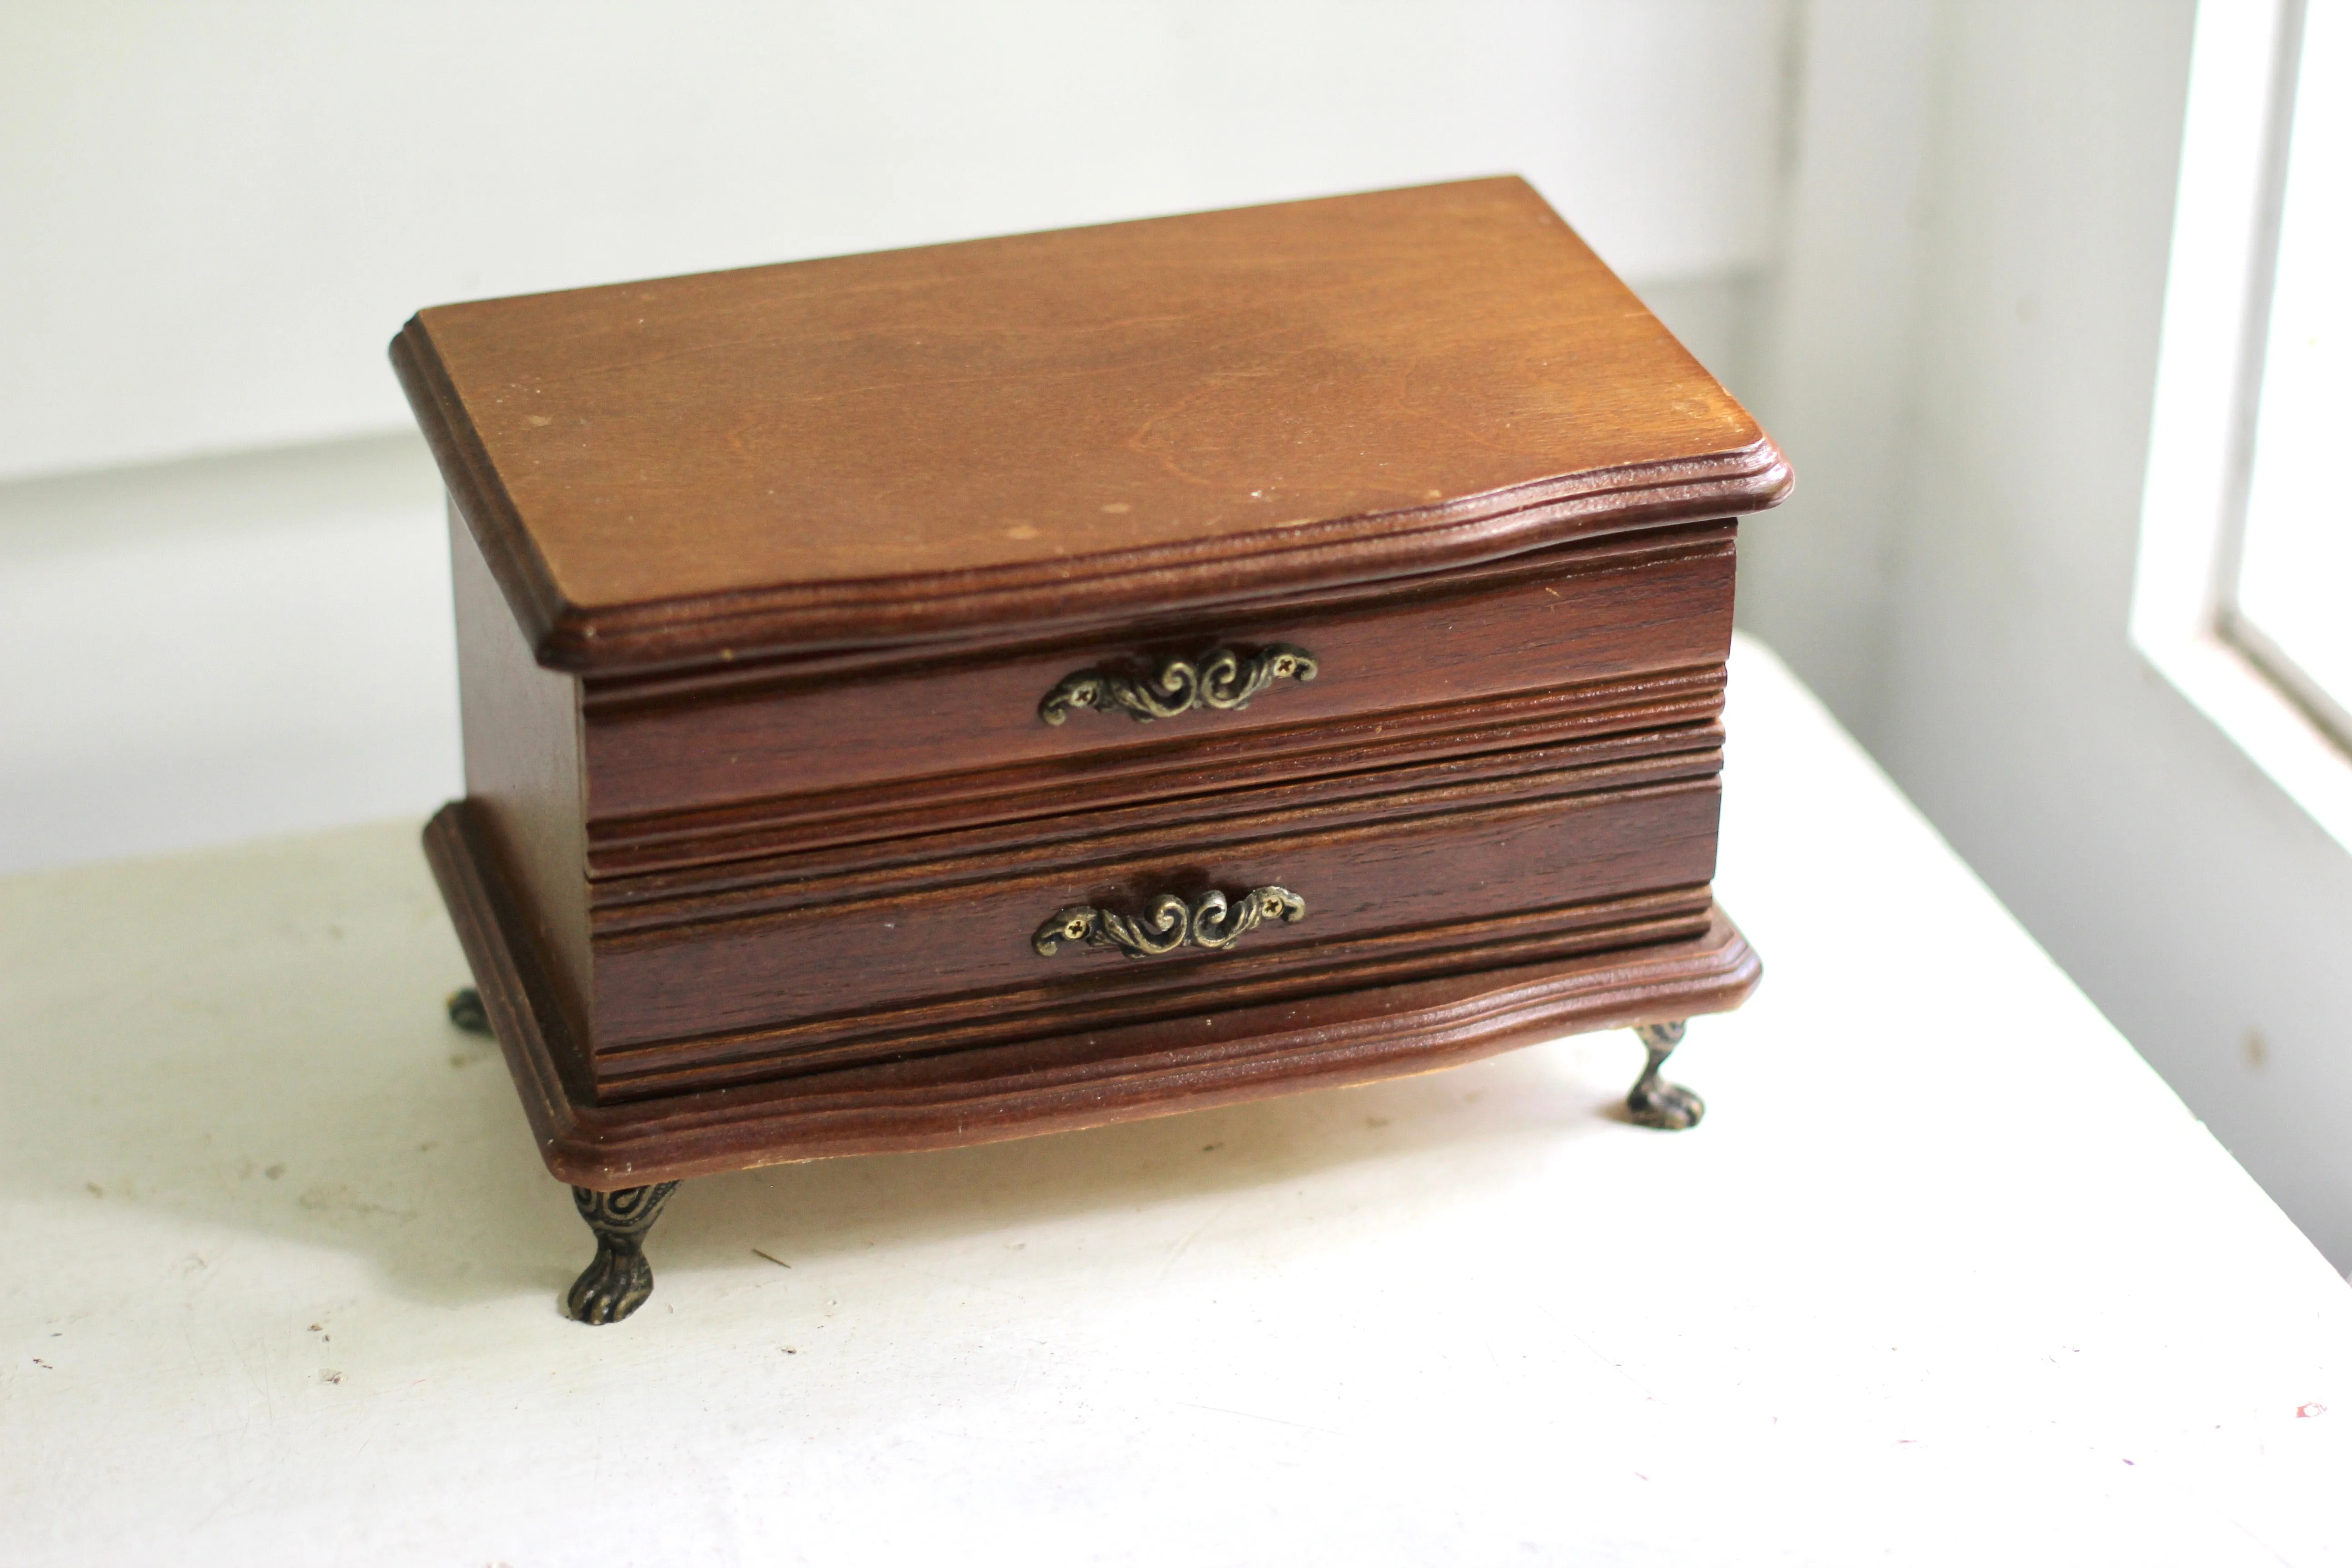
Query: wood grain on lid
941,442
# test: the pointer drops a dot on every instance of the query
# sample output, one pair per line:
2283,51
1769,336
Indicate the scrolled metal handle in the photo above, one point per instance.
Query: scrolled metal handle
1170,922
1221,678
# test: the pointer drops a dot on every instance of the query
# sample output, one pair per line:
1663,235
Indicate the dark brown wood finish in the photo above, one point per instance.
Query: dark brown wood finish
762,575
1050,1081
521,727
1421,860
874,846
644,857
1145,991
1573,617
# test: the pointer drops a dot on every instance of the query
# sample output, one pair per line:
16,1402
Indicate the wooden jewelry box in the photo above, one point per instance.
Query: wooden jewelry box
925,698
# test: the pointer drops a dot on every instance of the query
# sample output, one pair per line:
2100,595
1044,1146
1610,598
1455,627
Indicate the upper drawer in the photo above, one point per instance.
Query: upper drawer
703,755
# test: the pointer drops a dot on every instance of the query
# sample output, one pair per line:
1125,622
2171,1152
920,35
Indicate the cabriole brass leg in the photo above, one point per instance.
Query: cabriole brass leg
466,1011
620,1279
1655,1102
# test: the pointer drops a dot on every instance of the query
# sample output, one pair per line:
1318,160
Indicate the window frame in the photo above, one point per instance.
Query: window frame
2224,248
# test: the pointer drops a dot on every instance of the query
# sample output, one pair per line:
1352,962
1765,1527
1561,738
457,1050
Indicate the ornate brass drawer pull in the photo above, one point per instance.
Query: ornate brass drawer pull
1170,922
1221,678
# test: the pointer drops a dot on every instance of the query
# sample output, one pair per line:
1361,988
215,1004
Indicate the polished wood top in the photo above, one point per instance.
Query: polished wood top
950,441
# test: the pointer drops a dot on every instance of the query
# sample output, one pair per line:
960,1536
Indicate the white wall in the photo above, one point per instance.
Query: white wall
223,646
1836,377
1990,185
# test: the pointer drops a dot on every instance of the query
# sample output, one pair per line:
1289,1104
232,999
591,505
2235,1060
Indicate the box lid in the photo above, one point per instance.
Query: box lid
956,441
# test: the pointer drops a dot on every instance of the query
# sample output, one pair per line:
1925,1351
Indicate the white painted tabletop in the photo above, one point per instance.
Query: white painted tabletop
1946,1276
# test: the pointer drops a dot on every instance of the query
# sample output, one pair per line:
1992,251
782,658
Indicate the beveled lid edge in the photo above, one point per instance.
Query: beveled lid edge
961,606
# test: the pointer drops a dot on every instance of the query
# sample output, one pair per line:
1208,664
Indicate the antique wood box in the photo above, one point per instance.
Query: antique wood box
938,696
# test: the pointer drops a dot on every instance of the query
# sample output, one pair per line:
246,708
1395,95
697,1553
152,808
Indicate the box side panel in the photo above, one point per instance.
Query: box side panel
523,772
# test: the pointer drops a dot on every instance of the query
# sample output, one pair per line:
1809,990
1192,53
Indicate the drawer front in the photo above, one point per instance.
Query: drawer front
810,747
1449,880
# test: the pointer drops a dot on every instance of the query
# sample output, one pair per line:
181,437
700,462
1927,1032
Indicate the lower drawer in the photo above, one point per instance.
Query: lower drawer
1447,879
